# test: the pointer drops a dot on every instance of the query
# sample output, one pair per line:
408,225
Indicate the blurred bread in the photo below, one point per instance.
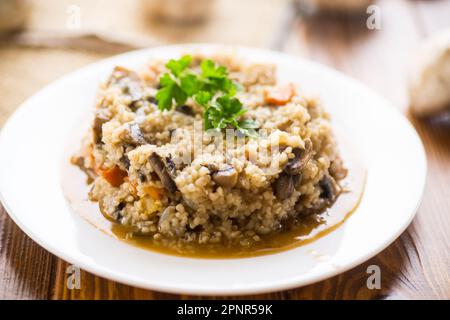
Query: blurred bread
429,89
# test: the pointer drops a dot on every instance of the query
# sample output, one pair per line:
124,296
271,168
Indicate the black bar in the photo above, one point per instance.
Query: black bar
224,309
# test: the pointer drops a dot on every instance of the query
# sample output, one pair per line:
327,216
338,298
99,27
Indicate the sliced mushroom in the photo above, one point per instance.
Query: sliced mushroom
300,160
141,176
133,135
128,81
125,161
337,169
291,177
101,117
185,109
227,177
152,100
165,216
329,193
329,188
171,166
161,170
120,73
283,187
114,216
297,180
134,91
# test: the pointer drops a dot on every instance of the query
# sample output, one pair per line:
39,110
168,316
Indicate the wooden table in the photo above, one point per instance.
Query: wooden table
415,266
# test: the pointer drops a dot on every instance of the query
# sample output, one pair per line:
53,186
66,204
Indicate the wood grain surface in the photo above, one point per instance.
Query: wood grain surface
415,266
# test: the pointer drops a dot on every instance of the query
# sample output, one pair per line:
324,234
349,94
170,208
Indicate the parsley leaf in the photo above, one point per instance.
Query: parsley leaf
231,107
179,95
203,98
247,127
248,124
210,70
164,95
215,78
190,84
225,112
178,66
170,90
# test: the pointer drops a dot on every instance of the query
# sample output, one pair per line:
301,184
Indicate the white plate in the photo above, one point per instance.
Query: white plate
34,139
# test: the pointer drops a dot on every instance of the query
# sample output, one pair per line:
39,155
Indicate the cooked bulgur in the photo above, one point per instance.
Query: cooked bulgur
162,175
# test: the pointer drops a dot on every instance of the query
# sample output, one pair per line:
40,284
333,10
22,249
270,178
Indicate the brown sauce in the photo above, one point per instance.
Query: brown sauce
309,230
297,234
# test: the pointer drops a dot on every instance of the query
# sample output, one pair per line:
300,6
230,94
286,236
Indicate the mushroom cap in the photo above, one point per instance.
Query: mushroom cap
429,89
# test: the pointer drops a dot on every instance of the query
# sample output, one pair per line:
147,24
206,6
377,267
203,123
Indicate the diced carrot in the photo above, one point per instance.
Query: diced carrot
114,175
155,193
281,95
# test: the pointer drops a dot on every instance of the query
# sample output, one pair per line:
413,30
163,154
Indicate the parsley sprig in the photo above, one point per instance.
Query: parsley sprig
211,88
224,112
